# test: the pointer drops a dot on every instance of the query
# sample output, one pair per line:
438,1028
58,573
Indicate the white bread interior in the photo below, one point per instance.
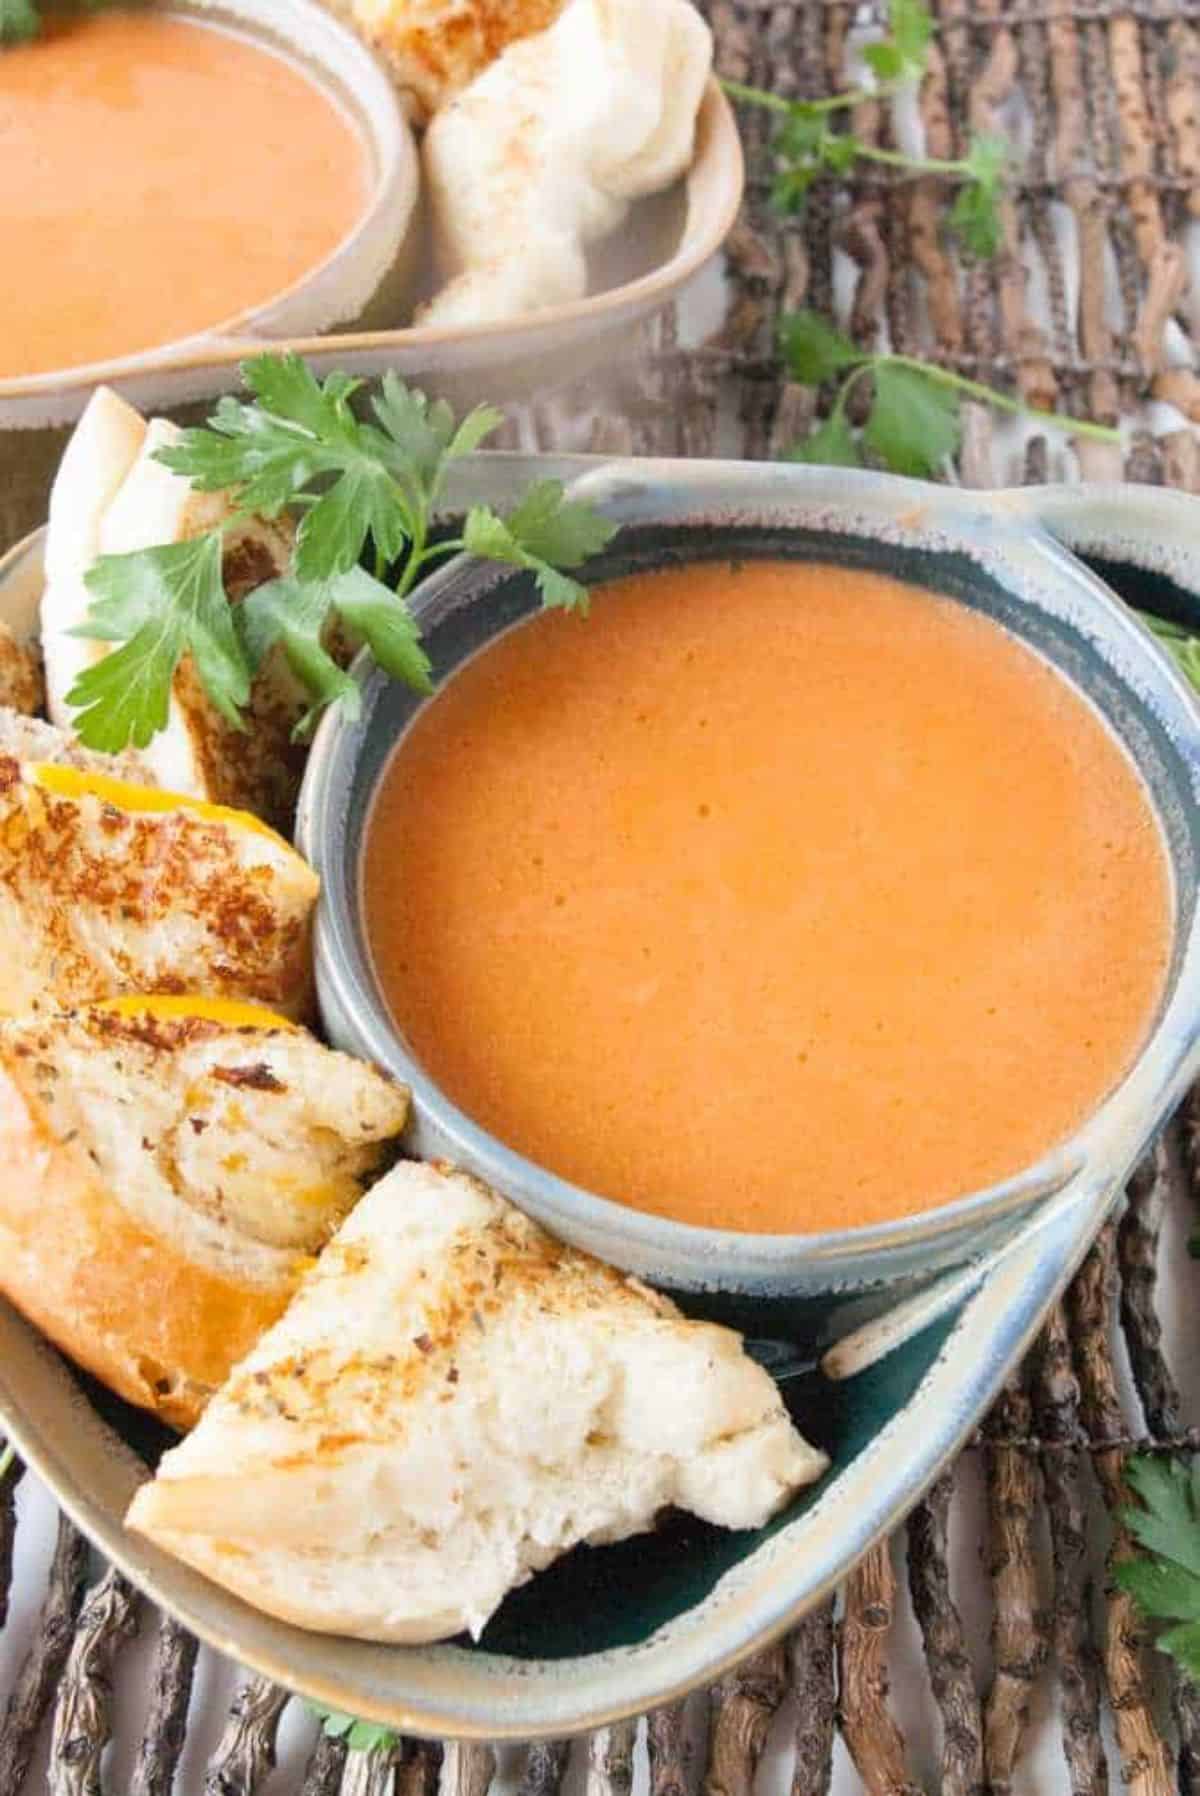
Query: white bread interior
452,1400
540,156
164,1180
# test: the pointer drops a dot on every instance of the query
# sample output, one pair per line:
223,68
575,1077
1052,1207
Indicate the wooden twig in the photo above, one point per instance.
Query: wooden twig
420,1769
666,1746
609,1761
744,1703
814,1684
1137,1253
1019,1620
38,1677
9,1480
246,1750
83,1709
1056,1401
950,1674
545,1766
326,1763
1144,1758
869,1729
166,1720
372,1772
468,1768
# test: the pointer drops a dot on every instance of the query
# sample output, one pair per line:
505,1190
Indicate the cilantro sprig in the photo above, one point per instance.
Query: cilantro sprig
1164,1579
808,145
911,421
365,491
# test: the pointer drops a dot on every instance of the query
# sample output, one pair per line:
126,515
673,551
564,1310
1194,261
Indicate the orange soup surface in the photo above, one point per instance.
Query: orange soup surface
158,176
777,897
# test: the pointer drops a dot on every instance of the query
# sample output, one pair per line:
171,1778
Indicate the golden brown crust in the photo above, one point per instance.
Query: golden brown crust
121,1300
435,48
21,685
112,901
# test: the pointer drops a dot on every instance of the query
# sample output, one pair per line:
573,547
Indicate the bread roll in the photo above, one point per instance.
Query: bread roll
453,1400
541,155
433,48
108,887
167,1168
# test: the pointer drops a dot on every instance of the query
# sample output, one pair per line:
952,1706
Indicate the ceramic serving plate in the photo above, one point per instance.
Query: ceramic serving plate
615,1631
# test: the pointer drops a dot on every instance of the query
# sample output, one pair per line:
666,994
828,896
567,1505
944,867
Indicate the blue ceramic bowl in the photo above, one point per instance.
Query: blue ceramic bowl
1006,554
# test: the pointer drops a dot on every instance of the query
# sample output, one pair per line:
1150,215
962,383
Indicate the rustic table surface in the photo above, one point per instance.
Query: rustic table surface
984,1649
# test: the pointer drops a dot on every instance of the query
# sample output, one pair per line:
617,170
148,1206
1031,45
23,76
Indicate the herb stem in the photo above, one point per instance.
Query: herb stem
913,165
7,1454
759,96
1004,402
416,555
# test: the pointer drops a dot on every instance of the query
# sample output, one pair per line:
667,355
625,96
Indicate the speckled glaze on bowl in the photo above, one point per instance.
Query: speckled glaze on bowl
988,551
616,1631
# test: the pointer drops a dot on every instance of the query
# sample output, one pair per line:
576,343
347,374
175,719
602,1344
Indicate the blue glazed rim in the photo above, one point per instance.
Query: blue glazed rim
1037,586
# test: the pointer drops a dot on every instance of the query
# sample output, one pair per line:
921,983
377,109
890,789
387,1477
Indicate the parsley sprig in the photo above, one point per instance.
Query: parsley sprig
912,420
360,1736
365,491
808,145
1165,1578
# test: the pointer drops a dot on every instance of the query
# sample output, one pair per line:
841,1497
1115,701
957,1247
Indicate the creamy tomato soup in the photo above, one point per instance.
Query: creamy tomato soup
158,176
778,897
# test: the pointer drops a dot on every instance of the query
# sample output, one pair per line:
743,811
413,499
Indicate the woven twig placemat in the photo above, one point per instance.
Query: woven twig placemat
1088,308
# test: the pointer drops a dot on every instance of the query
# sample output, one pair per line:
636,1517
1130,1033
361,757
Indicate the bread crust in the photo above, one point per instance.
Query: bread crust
160,1330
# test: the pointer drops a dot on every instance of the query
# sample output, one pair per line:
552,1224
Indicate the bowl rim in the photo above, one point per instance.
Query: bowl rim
730,1260
390,203
713,184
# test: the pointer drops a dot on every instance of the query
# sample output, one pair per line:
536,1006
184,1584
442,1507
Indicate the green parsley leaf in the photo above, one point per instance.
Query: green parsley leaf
383,621
1183,648
19,21
360,487
161,604
294,614
363,502
813,349
1165,1580
913,424
831,444
910,25
884,60
544,533
975,215
422,437
360,1736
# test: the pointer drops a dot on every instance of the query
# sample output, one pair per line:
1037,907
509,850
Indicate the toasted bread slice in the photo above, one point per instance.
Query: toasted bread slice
33,739
107,887
21,684
453,1400
433,48
108,501
540,156
167,1167
100,452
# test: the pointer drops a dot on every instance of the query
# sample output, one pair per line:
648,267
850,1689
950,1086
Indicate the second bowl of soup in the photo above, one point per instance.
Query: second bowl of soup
800,917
